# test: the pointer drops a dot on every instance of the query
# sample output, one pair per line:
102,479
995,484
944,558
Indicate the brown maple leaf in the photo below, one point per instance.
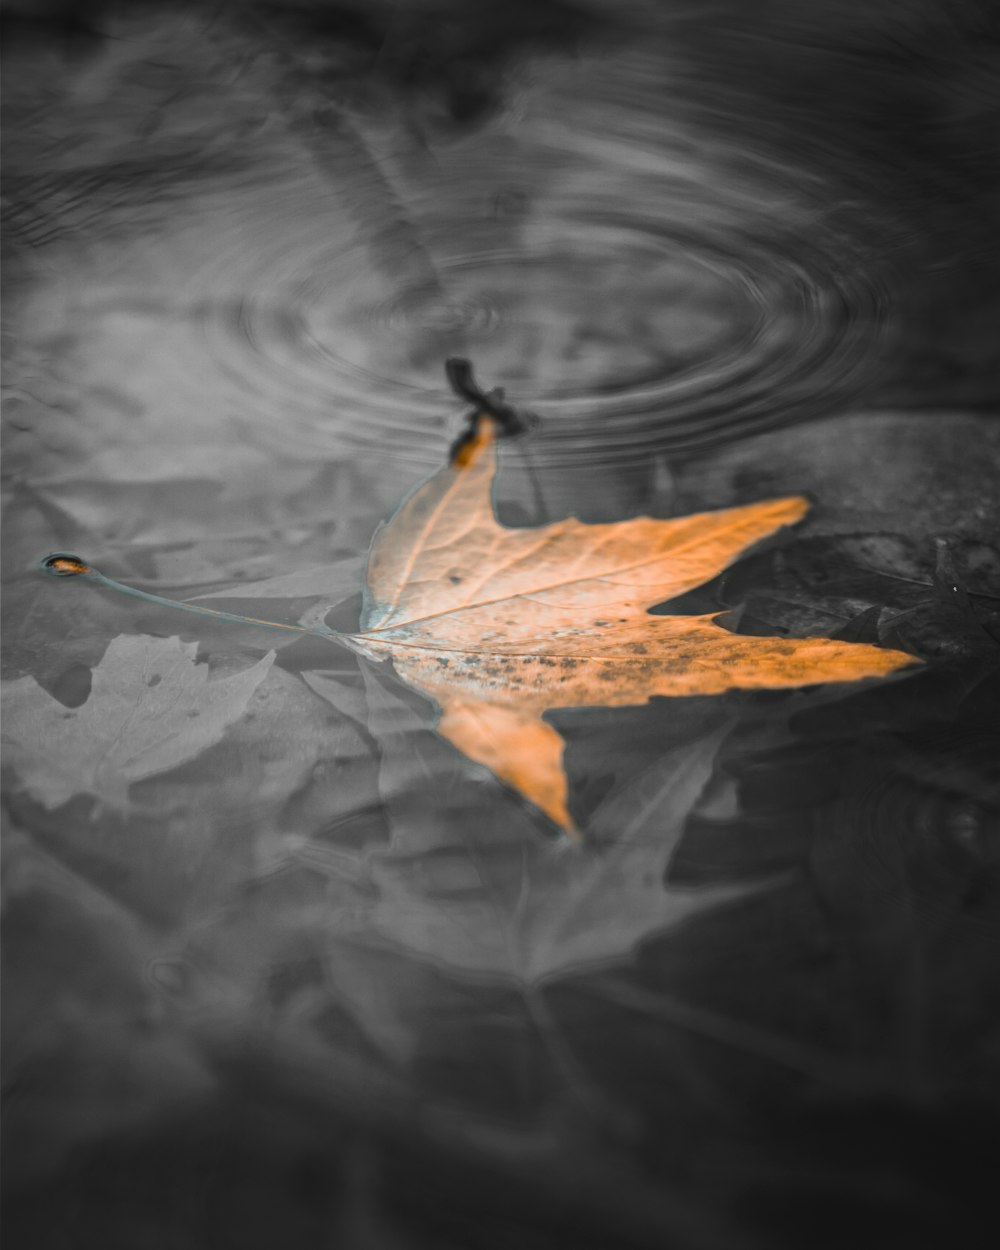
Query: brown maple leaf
500,626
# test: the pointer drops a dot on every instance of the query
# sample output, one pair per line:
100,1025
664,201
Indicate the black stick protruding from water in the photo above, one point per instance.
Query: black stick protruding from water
463,383
489,403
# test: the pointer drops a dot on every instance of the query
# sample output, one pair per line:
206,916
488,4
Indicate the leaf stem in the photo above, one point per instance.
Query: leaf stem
65,564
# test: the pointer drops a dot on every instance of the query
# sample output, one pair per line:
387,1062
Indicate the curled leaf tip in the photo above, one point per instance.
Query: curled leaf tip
64,564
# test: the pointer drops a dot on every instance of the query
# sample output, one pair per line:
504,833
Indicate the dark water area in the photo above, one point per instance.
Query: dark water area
311,977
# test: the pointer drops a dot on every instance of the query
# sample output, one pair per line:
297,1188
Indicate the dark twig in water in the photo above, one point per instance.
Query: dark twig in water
463,383
510,420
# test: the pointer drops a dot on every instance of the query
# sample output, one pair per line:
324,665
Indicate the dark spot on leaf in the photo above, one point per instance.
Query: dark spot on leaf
154,680
454,580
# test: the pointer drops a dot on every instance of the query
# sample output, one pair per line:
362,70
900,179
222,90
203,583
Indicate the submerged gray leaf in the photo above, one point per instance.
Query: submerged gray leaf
151,707
481,894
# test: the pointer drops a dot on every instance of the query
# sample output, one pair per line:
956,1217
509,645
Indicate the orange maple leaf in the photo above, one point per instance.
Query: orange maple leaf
501,625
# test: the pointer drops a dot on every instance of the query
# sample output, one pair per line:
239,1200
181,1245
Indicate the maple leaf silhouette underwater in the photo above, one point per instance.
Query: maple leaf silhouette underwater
499,625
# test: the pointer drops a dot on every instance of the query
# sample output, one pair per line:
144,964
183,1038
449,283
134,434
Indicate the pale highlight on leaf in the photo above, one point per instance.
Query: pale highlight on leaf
500,625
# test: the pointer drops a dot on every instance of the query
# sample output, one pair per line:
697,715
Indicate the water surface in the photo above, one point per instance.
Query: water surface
327,982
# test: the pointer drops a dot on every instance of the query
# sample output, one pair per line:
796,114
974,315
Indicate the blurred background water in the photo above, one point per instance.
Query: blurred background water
327,984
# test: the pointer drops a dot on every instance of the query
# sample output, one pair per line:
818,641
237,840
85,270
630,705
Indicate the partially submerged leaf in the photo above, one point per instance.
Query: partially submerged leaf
501,625
151,707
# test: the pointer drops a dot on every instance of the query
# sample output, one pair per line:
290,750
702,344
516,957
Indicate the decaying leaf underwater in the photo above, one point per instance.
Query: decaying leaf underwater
150,708
501,625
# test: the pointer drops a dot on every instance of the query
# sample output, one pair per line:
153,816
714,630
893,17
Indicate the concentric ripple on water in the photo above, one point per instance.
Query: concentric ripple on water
636,294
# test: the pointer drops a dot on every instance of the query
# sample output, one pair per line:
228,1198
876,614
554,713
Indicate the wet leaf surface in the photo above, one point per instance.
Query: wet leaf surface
502,625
